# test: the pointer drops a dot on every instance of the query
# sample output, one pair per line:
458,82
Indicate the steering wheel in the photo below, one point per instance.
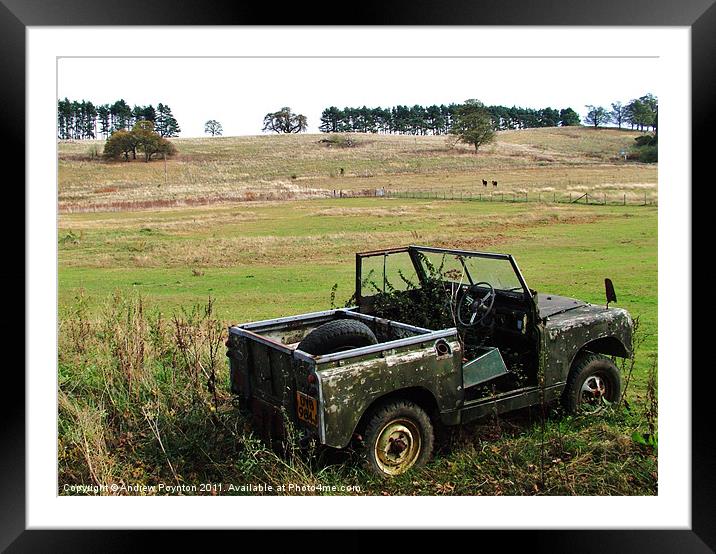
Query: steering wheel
477,308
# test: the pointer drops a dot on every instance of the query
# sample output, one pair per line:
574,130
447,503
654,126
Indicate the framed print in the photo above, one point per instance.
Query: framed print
255,246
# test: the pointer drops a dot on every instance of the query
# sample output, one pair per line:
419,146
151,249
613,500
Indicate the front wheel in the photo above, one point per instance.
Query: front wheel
398,436
593,383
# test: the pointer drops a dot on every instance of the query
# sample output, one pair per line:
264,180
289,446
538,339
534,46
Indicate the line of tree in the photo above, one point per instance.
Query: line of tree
83,120
436,120
639,113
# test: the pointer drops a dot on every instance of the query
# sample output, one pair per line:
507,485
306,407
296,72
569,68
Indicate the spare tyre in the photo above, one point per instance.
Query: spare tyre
336,336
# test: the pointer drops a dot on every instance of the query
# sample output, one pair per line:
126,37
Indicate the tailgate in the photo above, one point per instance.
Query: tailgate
259,367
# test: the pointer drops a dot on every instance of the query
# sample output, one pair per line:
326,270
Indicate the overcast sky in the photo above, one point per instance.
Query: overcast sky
238,92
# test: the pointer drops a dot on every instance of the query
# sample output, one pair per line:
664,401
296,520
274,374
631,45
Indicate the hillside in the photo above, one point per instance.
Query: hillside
568,159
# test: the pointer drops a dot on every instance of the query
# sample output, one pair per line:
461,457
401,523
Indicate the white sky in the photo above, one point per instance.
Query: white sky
238,92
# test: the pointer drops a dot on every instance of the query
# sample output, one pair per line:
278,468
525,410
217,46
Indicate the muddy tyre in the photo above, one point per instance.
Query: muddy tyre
337,336
398,437
592,379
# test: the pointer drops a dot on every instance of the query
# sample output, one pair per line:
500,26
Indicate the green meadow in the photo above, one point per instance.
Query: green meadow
264,260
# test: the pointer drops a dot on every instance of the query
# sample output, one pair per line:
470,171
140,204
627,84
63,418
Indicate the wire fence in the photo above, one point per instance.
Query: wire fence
611,198
587,198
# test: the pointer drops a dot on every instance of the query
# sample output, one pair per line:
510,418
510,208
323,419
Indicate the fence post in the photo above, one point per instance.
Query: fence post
570,197
625,198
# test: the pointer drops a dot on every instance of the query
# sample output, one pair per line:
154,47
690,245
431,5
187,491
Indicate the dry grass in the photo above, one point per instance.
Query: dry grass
177,426
229,236
230,169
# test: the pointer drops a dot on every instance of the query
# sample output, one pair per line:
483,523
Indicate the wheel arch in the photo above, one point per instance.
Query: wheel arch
421,396
610,346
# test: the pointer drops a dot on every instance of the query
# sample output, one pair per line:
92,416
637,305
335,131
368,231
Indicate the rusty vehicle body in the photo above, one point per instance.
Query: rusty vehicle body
530,353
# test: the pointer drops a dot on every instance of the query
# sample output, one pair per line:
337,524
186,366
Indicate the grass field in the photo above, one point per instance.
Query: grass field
264,260
560,160
138,345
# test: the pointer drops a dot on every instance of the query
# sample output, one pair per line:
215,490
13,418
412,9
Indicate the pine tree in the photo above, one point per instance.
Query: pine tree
164,122
330,120
103,116
171,128
121,115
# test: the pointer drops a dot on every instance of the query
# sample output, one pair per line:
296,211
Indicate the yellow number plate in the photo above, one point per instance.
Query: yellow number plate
307,408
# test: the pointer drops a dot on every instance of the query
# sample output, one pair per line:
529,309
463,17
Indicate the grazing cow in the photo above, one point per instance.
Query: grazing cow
484,183
494,183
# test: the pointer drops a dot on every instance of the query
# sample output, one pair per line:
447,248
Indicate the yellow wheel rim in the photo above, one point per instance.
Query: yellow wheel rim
398,446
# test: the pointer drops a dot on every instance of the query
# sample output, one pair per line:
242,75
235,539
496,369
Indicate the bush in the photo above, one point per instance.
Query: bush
93,152
646,140
647,149
341,141
649,154
121,143
142,137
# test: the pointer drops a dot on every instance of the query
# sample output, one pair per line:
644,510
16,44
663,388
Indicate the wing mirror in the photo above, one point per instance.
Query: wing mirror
609,289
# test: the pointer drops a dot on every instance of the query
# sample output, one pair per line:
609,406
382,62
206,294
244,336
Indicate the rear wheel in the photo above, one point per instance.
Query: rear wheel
336,336
592,380
398,436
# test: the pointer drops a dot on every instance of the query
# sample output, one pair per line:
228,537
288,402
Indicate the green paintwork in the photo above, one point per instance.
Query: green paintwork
349,390
266,366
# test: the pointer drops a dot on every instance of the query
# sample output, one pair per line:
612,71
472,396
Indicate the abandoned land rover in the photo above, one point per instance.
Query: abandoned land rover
432,336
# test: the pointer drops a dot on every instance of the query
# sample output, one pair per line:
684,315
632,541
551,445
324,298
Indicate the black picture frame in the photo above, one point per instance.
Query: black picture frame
699,15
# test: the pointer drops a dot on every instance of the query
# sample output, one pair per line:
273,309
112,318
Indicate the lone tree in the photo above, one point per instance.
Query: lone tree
596,116
285,121
213,128
472,124
142,137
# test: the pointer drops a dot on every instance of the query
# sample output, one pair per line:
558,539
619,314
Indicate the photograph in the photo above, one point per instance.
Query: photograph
357,276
